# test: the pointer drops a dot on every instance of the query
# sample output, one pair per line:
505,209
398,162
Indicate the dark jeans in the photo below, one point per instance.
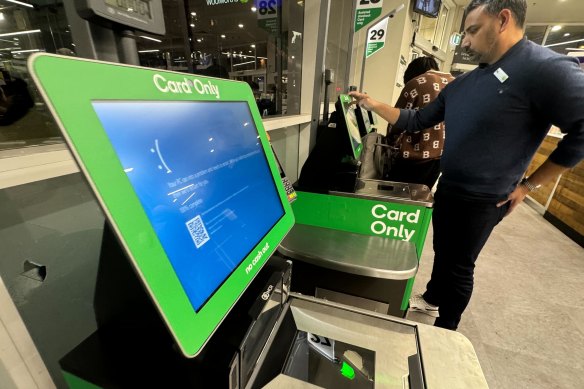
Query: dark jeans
462,225
415,172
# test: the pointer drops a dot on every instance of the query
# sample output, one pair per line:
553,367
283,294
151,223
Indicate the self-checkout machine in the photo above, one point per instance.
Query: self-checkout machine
357,240
182,168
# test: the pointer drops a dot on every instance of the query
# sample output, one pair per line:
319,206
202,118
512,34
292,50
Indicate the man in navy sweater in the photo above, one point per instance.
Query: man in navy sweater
496,117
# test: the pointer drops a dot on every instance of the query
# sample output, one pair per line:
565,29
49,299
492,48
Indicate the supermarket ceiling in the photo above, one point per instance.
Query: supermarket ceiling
551,11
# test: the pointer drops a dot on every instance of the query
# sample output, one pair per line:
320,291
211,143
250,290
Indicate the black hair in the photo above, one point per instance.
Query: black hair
517,7
418,67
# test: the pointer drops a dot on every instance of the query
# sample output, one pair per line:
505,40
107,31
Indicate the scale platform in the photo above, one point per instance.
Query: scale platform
381,351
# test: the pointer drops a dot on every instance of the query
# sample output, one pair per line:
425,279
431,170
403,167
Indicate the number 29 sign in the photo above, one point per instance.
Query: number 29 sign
376,37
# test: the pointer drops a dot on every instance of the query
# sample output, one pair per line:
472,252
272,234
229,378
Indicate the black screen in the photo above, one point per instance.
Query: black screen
429,8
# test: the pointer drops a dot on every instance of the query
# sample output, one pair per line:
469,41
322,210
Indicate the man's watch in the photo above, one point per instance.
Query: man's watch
525,182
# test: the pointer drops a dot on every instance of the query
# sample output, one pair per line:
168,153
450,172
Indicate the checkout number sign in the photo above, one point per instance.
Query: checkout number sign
366,12
376,37
323,345
267,11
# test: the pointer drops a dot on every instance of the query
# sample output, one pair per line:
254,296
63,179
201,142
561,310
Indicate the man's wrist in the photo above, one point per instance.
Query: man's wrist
528,185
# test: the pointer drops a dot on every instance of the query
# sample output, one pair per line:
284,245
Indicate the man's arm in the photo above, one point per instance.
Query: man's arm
393,132
547,172
387,112
408,119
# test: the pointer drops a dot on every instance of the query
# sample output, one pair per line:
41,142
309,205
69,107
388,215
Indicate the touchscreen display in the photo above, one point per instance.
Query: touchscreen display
201,174
352,125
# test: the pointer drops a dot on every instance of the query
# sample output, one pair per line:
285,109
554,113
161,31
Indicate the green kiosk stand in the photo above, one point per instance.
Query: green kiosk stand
360,248
356,241
184,172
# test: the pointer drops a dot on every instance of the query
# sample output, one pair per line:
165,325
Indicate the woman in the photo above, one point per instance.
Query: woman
419,156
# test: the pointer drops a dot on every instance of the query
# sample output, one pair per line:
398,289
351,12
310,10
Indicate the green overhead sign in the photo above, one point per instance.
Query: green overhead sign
367,11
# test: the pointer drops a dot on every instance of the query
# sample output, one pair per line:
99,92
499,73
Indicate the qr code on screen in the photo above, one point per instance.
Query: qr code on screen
198,231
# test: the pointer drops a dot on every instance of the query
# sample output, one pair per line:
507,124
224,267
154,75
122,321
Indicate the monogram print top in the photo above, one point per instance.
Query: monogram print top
417,93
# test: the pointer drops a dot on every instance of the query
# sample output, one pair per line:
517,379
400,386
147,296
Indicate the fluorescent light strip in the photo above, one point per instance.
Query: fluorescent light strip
25,51
574,49
21,32
148,51
152,39
243,55
20,3
559,44
243,63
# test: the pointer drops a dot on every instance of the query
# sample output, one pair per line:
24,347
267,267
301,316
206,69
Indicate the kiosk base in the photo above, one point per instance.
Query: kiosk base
357,346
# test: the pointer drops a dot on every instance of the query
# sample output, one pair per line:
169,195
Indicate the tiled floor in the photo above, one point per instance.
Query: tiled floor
526,316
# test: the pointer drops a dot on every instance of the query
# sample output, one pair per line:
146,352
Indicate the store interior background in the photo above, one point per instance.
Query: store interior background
526,319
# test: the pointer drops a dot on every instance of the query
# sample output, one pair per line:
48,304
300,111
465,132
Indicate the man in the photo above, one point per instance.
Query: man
497,115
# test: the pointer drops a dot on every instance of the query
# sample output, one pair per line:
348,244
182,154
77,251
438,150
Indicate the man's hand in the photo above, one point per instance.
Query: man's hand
547,172
385,111
516,197
363,100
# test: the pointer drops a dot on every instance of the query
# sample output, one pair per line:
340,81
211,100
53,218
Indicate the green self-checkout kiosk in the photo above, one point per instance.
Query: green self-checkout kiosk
356,240
182,168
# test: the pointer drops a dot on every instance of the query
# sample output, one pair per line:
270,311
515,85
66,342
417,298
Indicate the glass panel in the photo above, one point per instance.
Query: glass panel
26,29
337,46
535,33
170,51
258,42
433,29
427,28
441,26
202,36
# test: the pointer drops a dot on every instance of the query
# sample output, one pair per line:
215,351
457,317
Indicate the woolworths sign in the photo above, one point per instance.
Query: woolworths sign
221,2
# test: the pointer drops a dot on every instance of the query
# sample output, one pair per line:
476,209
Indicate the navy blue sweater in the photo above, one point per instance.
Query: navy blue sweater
494,128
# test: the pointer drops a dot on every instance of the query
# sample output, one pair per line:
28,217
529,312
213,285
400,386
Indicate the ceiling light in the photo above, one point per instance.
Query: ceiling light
25,51
253,9
564,43
192,24
253,46
21,3
223,36
1,15
20,32
194,13
243,63
556,28
151,39
567,34
199,40
148,51
240,25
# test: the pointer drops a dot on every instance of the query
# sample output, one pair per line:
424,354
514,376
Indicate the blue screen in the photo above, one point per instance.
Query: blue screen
202,177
